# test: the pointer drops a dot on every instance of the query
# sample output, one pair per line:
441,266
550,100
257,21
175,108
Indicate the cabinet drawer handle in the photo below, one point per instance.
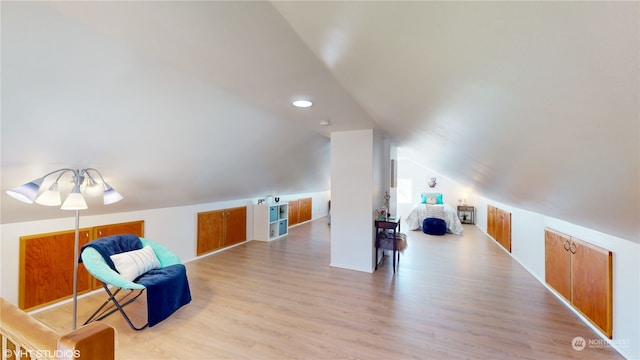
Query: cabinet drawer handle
566,245
573,248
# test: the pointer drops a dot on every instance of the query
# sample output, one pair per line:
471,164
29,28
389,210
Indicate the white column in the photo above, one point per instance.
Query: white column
357,172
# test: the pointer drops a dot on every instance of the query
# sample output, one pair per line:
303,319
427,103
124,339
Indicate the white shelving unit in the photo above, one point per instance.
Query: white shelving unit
270,221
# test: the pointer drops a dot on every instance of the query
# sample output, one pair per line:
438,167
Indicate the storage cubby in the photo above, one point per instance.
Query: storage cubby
270,221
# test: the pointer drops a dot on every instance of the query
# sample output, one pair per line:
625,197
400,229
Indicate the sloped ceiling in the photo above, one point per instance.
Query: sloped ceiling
534,104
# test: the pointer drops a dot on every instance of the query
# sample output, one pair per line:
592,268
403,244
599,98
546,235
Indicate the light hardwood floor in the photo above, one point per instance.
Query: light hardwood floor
453,297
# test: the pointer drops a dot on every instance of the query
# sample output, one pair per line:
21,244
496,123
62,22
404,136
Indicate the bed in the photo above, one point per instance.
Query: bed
434,208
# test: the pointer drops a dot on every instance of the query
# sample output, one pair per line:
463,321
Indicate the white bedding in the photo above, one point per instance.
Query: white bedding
419,213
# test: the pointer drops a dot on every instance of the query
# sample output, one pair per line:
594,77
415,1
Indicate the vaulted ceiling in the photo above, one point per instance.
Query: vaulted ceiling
534,104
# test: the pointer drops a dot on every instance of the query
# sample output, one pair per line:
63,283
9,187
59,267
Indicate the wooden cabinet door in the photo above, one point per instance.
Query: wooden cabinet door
235,225
294,212
210,231
500,223
505,231
305,207
591,294
46,268
557,262
498,226
134,227
491,221
221,228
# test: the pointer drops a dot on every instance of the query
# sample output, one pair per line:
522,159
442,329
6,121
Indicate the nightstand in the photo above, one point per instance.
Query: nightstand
466,214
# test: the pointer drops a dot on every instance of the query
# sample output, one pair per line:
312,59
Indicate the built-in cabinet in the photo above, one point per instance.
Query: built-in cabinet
270,221
499,226
218,229
300,210
134,227
47,262
582,274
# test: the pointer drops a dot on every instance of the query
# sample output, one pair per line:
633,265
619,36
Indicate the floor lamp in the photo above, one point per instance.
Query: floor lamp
94,186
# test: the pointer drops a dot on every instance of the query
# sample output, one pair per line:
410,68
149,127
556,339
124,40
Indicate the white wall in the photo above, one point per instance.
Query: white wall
393,191
357,169
174,227
381,171
527,244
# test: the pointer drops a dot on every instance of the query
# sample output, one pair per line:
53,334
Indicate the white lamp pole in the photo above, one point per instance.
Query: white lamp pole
76,244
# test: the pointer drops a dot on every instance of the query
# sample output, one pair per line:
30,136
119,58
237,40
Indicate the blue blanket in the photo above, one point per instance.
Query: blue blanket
167,287
167,291
115,244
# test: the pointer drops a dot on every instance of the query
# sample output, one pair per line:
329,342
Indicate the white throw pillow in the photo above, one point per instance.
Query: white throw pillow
132,264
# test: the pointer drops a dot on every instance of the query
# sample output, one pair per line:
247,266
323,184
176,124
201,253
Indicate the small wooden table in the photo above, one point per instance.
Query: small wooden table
466,214
387,229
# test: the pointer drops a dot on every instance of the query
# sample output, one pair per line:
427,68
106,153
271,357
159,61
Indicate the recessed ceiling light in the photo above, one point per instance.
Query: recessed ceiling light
302,103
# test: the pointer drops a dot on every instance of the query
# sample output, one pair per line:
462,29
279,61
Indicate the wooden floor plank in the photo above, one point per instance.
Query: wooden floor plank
453,297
